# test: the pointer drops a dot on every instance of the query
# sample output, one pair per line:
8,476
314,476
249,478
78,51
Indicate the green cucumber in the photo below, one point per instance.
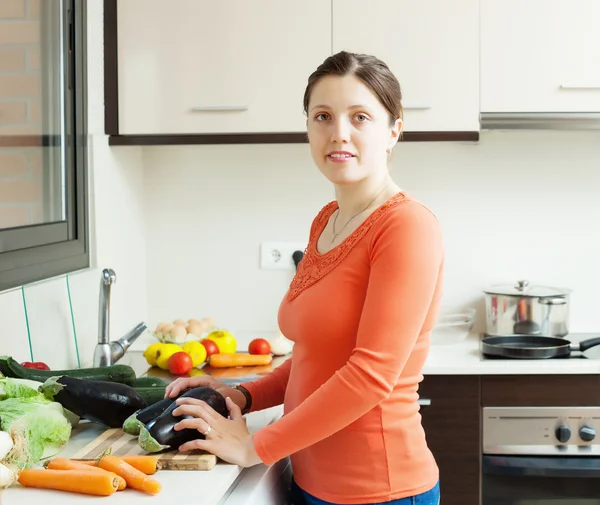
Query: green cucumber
123,374
144,382
152,394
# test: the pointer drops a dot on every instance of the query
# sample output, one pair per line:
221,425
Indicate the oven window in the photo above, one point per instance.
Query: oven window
540,481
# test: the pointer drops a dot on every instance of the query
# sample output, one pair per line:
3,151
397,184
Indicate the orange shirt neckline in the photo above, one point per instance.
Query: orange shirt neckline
328,211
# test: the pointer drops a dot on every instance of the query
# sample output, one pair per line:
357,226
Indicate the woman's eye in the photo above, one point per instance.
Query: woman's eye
321,117
361,118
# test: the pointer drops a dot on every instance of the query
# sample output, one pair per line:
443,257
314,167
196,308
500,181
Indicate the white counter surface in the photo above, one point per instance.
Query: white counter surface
464,358
180,487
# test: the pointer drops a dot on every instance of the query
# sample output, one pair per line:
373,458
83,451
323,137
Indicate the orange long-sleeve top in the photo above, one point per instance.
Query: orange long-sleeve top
360,317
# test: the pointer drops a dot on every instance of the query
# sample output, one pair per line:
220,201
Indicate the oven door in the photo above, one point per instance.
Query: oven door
540,480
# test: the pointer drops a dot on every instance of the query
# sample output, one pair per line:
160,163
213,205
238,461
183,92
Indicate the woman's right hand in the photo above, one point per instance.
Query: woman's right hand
181,385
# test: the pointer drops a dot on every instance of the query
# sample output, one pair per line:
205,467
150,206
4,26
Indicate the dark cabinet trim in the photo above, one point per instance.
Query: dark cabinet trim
111,111
111,69
267,138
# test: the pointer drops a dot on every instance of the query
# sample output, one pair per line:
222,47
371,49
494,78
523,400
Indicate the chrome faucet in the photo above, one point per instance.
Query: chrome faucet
107,352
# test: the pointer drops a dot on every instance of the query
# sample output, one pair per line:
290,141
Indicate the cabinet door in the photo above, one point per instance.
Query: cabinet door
432,46
540,56
202,66
451,424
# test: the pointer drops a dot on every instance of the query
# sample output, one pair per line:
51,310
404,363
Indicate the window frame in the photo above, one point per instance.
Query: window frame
38,252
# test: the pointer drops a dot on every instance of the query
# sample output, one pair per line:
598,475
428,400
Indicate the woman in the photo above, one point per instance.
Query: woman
360,310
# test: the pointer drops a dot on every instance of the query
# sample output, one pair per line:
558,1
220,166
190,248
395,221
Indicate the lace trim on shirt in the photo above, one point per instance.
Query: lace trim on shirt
314,266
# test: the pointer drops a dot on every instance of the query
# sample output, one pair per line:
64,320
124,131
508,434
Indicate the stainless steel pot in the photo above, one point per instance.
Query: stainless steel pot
526,310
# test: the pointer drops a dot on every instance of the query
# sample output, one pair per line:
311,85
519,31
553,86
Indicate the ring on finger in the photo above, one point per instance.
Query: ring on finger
208,430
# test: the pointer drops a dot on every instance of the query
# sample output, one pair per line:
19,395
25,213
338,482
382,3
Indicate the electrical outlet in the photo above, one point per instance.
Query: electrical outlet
278,255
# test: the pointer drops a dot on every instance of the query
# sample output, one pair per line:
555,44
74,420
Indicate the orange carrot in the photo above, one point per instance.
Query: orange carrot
75,481
134,478
239,359
69,464
146,464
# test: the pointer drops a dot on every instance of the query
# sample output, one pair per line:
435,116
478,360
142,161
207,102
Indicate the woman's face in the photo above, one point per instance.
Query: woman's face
349,130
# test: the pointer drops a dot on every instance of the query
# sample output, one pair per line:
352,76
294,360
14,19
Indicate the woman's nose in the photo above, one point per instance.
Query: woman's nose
340,132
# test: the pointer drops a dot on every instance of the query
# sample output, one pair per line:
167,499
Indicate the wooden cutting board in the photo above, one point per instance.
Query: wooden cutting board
122,444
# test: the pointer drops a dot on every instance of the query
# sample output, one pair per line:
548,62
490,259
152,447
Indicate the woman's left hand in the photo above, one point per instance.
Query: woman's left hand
228,439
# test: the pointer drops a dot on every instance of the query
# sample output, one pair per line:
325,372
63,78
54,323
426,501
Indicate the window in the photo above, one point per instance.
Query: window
43,166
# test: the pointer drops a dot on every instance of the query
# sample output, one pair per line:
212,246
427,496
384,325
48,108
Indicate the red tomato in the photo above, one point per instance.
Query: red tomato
259,346
36,365
180,363
210,346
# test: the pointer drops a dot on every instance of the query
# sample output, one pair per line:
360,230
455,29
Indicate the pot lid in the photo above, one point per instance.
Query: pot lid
522,288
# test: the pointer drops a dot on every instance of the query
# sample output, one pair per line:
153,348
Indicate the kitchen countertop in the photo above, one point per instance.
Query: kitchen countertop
460,358
464,358
218,486
190,487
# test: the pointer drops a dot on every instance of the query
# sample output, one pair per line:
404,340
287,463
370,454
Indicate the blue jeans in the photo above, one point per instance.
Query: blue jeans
431,497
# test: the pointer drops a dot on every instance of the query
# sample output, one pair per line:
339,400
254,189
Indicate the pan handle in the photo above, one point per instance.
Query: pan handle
584,345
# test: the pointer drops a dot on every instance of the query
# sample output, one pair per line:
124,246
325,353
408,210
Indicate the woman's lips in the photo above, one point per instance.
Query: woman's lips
340,157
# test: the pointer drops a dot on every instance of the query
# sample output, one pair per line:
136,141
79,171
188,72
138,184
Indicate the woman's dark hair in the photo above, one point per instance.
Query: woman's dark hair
373,72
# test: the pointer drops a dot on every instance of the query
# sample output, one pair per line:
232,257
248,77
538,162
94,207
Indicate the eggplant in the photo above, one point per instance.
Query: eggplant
159,434
101,402
136,421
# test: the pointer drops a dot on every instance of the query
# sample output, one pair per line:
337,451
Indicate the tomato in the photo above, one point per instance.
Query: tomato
259,346
180,363
36,365
210,346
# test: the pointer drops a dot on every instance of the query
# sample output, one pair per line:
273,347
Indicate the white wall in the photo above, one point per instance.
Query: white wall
116,221
515,205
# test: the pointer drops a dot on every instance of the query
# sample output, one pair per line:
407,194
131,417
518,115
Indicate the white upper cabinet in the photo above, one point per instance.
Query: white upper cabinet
432,46
206,66
540,56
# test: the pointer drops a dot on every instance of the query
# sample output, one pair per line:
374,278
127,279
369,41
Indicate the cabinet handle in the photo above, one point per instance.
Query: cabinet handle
416,107
581,86
424,402
219,108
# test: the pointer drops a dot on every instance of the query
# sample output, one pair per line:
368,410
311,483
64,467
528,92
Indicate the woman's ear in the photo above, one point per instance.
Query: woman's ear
395,133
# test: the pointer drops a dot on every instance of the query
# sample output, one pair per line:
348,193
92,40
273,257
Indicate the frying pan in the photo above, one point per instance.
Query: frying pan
533,347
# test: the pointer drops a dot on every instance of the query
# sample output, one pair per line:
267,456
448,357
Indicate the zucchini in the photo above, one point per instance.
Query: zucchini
108,403
123,374
152,394
142,382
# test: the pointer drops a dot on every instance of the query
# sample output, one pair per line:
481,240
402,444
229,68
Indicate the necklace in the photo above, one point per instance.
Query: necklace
335,235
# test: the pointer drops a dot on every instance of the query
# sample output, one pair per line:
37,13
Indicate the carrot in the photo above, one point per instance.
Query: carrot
69,464
239,359
75,481
134,478
146,464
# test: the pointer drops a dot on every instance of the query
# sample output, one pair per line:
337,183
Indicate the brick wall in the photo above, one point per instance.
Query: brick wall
20,114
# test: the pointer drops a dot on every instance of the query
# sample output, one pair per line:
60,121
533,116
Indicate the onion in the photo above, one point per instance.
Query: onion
6,444
7,476
280,346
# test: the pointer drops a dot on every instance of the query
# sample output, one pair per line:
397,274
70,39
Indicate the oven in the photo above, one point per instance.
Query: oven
540,456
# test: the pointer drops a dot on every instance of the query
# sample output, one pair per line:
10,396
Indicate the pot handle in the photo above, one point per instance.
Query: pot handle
557,300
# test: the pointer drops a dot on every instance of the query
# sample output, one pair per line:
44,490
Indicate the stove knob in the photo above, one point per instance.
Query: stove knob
563,433
587,433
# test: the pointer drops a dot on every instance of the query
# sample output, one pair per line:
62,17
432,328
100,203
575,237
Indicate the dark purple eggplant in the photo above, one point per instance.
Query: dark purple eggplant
107,403
146,417
159,433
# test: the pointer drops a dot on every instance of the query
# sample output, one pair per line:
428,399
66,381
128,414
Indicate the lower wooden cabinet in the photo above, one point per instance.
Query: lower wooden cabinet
452,428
